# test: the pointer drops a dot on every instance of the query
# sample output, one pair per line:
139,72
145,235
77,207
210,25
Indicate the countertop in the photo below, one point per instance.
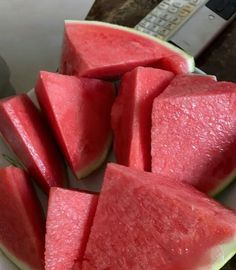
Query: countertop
218,59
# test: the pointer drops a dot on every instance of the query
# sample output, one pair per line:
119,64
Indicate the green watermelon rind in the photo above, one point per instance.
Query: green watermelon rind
11,156
228,251
224,183
19,264
95,164
188,58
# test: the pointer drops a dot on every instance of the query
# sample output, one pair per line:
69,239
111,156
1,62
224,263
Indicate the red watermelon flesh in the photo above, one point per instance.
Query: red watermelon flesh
103,50
131,115
23,128
194,137
78,110
22,225
69,218
189,84
147,221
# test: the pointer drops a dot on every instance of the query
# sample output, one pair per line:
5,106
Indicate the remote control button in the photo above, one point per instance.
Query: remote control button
163,32
139,28
150,18
172,9
149,32
169,26
150,26
168,2
188,8
163,6
160,22
156,28
177,4
157,13
194,2
160,37
145,30
183,13
142,23
165,16
176,20
211,17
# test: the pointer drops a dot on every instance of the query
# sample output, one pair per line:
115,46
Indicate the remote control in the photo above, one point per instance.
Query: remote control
189,24
168,16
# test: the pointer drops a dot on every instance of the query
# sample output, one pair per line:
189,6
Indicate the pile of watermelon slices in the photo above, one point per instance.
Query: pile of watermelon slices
173,135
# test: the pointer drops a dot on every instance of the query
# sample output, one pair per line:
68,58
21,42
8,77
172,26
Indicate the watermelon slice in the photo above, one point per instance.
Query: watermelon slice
23,128
189,84
147,221
131,115
78,110
194,134
69,218
22,225
103,50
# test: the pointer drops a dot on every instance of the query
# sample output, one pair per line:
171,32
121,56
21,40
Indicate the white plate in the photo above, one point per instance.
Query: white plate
91,183
32,33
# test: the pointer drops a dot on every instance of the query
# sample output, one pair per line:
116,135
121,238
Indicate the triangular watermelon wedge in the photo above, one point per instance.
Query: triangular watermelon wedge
22,225
102,50
69,218
24,130
194,133
78,110
148,221
131,115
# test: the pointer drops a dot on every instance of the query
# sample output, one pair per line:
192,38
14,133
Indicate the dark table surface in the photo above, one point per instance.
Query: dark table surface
218,59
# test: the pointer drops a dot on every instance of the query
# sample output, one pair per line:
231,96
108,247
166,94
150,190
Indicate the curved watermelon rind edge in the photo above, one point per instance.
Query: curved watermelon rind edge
229,250
188,58
224,184
12,155
19,264
95,164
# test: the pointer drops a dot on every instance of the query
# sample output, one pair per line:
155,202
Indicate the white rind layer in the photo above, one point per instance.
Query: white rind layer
229,250
223,252
96,163
188,58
